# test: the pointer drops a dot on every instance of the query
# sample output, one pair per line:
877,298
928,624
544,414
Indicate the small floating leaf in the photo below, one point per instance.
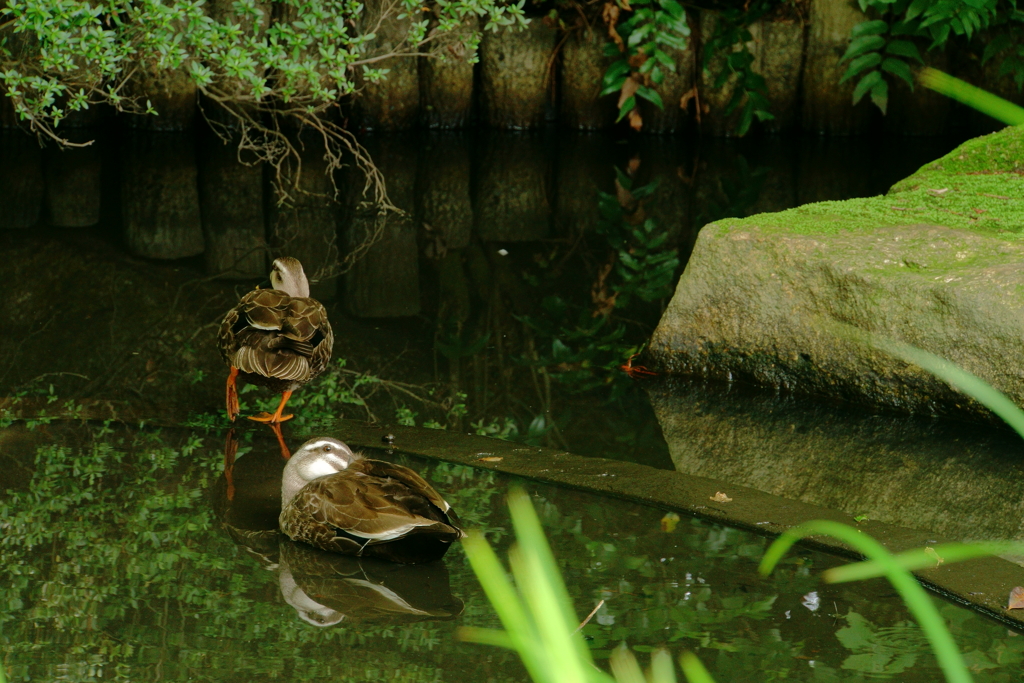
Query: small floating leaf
1016,598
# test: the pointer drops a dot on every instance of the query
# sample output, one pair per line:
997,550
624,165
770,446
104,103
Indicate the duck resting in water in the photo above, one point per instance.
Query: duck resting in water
337,500
278,338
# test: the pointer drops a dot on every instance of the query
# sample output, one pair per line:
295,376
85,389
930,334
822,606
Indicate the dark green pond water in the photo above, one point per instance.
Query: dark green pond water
124,559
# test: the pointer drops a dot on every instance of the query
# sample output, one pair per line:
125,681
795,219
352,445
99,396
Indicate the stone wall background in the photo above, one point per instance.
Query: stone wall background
542,76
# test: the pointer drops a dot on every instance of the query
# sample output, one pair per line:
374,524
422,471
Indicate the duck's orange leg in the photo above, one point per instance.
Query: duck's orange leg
276,427
232,394
277,416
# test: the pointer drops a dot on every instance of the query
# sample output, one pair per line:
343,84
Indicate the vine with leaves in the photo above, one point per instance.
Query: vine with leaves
646,36
888,45
641,43
731,38
263,62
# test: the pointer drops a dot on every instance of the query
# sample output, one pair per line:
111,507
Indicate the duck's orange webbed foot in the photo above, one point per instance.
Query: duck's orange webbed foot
268,418
277,416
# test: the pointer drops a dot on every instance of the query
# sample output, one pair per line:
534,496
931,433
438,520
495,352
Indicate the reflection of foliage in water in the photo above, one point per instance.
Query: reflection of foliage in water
113,565
888,651
893,650
577,345
699,595
645,262
588,341
737,192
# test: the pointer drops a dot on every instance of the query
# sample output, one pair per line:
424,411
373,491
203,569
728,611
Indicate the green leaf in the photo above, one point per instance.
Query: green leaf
612,87
859,46
625,667
880,95
869,81
674,9
995,46
904,48
869,28
898,67
923,558
665,59
661,667
626,107
615,74
694,669
746,119
917,7
868,61
650,95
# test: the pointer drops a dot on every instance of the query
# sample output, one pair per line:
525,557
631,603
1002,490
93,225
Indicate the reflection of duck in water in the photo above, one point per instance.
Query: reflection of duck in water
337,500
326,588
277,338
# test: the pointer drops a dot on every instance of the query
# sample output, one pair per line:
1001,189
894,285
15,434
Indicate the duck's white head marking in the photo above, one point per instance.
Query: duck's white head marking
287,275
318,457
322,456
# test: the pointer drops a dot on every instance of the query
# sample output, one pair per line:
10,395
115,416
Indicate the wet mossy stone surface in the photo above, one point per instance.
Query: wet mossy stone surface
937,262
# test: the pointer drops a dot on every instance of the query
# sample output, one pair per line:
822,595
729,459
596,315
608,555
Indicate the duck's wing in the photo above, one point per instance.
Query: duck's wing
274,335
307,330
369,509
260,309
411,479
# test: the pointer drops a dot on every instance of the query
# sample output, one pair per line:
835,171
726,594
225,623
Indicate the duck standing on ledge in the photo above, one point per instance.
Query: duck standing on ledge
277,338
337,500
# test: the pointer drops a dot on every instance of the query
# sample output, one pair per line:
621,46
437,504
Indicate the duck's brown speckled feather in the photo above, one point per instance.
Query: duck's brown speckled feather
372,503
276,340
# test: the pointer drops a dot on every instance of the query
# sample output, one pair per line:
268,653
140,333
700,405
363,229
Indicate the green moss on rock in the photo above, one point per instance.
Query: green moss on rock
978,186
937,262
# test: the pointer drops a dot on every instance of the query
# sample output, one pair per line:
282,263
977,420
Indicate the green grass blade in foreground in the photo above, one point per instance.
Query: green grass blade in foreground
625,667
505,601
662,670
693,669
542,587
486,636
952,374
554,631
979,99
914,596
538,617
921,558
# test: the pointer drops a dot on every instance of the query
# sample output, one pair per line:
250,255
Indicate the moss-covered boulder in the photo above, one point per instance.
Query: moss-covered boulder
938,262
